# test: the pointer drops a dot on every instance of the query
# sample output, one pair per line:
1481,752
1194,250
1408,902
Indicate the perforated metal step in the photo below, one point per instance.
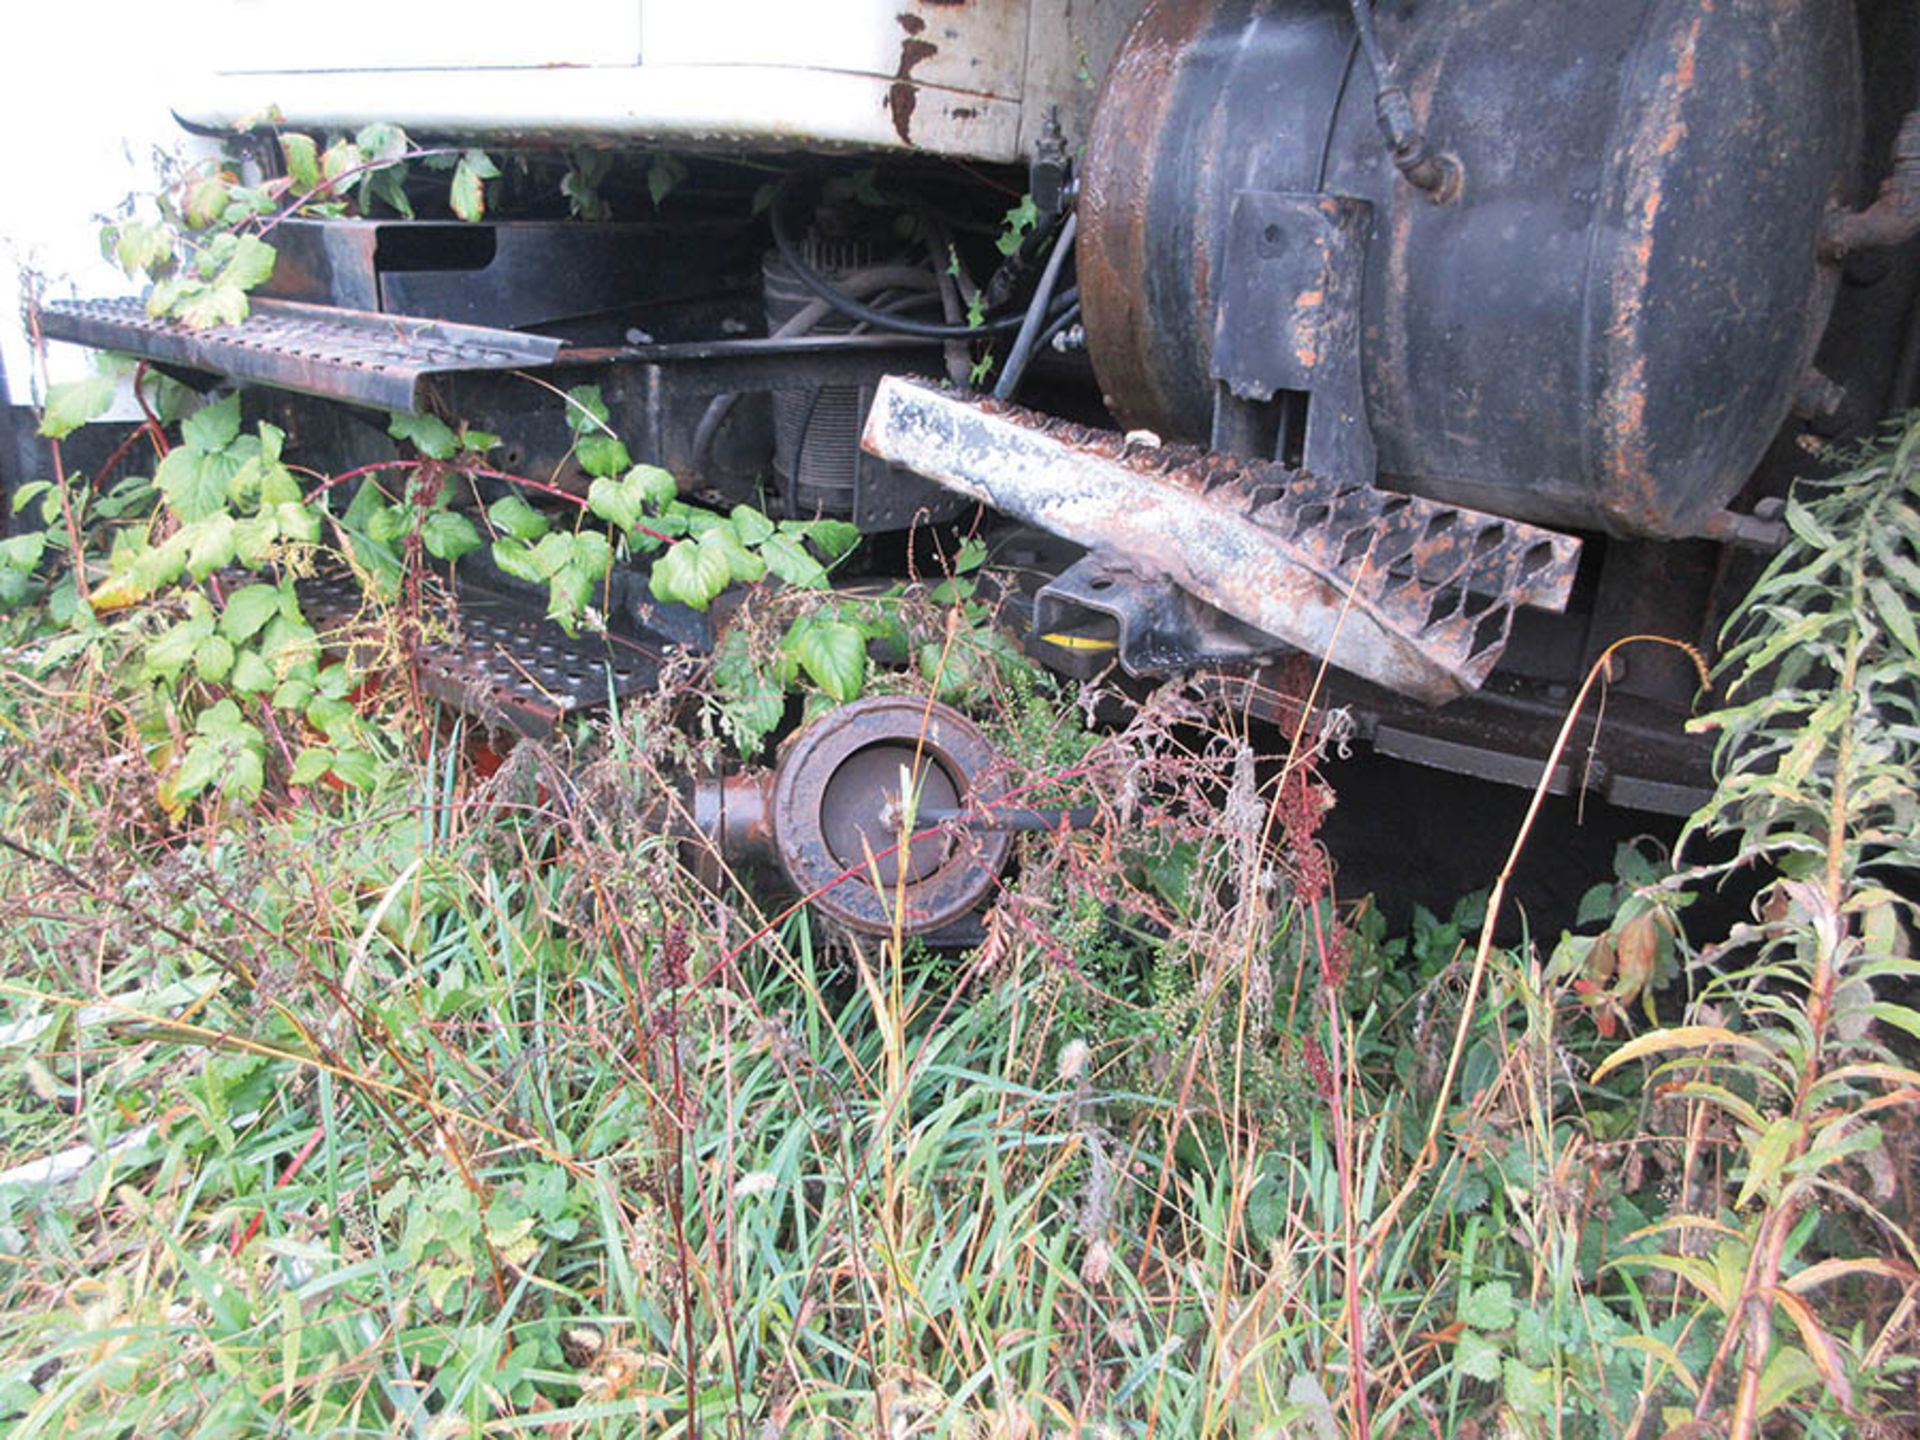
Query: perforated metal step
355,355
503,660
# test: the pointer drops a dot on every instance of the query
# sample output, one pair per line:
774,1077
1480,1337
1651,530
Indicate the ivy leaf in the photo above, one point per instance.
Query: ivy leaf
250,265
834,655
251,675
689,574
591,553
834,537
468,195
752,703
569,591
448,536
615,501
602,455
751,526
73,403
586,412
214,426
341,158
387,523
428,434
1019,220
515,558
788,558
140,246
211,546
213,659
247,610
517,518
206,200
656,486
303,159
742,564
664,176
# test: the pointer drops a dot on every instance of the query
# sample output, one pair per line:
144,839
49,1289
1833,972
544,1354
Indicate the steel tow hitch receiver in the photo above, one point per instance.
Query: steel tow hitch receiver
1411,594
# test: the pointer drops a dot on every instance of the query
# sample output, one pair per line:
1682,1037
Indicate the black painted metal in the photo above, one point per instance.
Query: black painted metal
1102,610
1605,328
511,274
1286,348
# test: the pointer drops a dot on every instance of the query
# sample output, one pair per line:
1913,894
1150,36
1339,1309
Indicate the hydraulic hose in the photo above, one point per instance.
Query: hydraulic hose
1036,315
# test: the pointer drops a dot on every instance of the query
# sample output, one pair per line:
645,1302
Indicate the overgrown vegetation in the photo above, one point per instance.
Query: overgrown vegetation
348,1090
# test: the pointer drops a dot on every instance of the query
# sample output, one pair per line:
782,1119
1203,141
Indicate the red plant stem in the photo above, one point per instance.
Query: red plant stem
542,487
119,453
525,482
306,1153
345,475
154,427
78,560
330,187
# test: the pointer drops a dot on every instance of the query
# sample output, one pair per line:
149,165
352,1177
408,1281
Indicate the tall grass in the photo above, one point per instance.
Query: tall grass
458,1106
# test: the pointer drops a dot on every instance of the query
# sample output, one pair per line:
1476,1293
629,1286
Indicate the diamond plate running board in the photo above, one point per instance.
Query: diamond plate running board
360,356
1408,593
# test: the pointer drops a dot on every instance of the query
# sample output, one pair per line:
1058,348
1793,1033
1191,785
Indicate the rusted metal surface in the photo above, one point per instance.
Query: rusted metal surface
836,801
1894,217
1605,328
1303,259
1413,595
354,355
501,661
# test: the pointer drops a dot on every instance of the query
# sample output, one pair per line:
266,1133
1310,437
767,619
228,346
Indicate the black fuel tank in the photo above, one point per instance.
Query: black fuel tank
1607,325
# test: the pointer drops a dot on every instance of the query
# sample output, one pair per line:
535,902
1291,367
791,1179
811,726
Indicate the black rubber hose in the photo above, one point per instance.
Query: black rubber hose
1036,315
868,281
879,319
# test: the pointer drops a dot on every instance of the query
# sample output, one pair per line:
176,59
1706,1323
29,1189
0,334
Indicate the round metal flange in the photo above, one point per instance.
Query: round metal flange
837,810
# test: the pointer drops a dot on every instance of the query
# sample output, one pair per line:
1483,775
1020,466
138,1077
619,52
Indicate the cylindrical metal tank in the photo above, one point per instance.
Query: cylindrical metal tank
1604,329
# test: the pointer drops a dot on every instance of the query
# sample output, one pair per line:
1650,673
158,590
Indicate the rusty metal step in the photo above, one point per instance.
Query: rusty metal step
360,356
501,660
1407,592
